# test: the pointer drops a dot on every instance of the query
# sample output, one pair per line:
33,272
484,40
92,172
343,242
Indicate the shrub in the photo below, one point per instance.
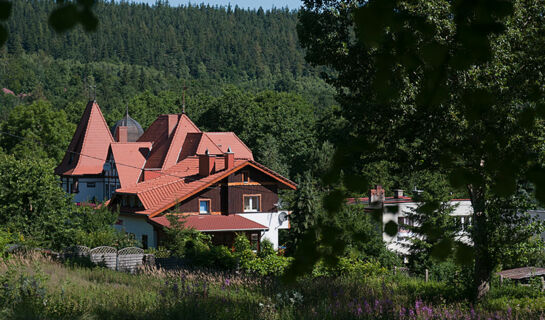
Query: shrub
266,249
23,294
160,252
347,266
222,258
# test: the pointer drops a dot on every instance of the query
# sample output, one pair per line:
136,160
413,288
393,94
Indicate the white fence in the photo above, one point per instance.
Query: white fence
127,259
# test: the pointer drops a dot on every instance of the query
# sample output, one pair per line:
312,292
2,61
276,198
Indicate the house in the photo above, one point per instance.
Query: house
209,180
398,209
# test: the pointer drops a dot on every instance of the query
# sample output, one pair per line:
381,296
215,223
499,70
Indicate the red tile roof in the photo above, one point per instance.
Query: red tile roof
211,223
184,126
130,159
182,181
89,146
225,140
387,200
8,91
167,142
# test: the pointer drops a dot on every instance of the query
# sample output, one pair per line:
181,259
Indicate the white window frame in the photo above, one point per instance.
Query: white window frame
253,209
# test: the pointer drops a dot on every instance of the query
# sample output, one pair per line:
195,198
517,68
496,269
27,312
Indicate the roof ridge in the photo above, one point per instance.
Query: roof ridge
178,132
86,129
209,139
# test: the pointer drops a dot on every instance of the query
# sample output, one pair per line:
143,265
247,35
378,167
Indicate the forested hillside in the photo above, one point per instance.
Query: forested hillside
191,41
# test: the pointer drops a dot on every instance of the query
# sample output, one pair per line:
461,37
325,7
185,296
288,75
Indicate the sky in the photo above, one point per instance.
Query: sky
254,4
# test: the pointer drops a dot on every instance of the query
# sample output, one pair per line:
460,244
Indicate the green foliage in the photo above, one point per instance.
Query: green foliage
243,252
45,131
259,44
40,213
270,265
439,86
266,249
349,266
185,242
22,295
277,127
31,200
6,238
160,252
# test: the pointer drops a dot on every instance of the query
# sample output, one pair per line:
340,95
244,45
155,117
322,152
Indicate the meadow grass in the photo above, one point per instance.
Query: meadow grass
35,287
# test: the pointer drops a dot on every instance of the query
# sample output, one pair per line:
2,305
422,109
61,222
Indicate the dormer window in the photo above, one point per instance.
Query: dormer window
245,176
204,206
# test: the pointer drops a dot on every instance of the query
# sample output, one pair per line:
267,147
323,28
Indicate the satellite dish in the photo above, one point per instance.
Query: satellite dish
107,167
282,216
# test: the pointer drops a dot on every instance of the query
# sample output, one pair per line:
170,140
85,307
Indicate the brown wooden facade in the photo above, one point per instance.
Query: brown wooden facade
227,196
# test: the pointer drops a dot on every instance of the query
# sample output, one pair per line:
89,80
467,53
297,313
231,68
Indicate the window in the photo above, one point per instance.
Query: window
254,241
91,184
403,223
125,201
204,206
144,241
75,186
252,203
245,176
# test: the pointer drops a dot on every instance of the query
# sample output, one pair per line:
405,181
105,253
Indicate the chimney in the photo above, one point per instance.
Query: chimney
206,164
398,193
121,134
229,159
172,122
376,195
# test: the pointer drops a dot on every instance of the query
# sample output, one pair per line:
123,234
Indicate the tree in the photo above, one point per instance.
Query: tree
450,86
36,130
34,207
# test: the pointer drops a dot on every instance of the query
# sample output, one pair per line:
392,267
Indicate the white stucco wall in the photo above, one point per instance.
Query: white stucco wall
269,219
540,216
401,241
138,225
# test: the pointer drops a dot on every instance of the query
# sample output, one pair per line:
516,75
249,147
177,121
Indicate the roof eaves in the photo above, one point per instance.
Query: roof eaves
217,178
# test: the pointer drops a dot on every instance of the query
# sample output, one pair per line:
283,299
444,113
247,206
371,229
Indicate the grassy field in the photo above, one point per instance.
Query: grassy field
38,288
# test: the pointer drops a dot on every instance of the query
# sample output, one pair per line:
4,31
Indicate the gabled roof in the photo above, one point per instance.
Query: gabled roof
214,223
167,133
184,126
182,181
226,140
88,149
130,159
198,143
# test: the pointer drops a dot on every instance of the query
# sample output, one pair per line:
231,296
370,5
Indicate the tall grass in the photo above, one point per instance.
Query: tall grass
34,287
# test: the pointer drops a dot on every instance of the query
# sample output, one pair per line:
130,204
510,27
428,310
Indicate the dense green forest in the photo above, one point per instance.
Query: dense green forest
157,48
188,41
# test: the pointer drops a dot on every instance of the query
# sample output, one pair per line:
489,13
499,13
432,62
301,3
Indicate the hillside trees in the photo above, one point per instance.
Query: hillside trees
455,87
36,131
198,41
35,208
278,127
